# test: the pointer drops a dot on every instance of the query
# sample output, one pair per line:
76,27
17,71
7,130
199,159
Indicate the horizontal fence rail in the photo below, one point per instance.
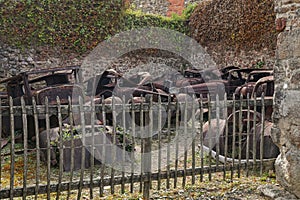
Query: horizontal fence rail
41,109
65,150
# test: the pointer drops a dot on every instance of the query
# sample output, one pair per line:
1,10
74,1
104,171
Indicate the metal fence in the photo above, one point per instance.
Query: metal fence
131,147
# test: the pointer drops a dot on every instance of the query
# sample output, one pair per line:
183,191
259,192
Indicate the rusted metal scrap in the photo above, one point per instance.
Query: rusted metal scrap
103,138
39,84
214,135
252,79
31,83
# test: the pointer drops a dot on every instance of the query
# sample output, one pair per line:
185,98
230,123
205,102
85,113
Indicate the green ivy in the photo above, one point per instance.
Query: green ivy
260,64
188,11
76,25
134,19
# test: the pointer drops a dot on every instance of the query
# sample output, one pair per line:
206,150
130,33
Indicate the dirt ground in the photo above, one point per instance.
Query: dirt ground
238,189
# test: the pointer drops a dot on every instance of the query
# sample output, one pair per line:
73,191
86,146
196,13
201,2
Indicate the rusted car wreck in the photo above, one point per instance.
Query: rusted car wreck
140,88
50,83
244,125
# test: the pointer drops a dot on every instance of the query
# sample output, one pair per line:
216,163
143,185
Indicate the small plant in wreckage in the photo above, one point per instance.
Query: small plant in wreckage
260,64
120,134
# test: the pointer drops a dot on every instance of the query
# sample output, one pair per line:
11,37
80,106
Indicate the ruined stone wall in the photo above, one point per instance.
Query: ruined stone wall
14,60
236,32
162,7
286,131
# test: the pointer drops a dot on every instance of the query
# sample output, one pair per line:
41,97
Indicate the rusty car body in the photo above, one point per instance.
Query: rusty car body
235,78
240,123
53,82
214,134
213,82
248,86
193,76
265,86
111,83
39,84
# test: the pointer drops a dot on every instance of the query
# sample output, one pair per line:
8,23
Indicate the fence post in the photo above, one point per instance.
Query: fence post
147,167
12,147
147,152
25,141
37,144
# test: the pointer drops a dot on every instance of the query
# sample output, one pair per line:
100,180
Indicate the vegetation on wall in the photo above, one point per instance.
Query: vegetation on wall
188,11
235,24
137,19
81,25
76,25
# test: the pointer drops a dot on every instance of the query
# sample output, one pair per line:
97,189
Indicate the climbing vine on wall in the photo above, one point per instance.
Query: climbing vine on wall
71,24
235,24
76,25
137,19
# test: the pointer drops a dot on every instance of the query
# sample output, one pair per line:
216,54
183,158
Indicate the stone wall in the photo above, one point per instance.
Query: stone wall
14,60
151,6
244,59
162,7
286,131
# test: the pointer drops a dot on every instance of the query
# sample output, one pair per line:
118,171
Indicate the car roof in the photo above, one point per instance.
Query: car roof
261,71
56,70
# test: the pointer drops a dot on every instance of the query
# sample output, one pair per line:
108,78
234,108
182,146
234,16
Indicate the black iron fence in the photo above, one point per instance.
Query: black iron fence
64,150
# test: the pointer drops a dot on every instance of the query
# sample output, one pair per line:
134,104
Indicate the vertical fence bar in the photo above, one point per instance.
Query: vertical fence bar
114,150
150,135
168,145
142,144
25,143
92,148
248,135
218,130
103,149
177,143
201,139
82,166
71,120
37,146
193,140
12,147
61,151
92,151
262,132
133,144
48,148
240,135
159,142
225,114
254,131
210,139
185,143
147,156
233,136
124,144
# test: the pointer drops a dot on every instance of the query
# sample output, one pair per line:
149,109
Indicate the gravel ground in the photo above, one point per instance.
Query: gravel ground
237,189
